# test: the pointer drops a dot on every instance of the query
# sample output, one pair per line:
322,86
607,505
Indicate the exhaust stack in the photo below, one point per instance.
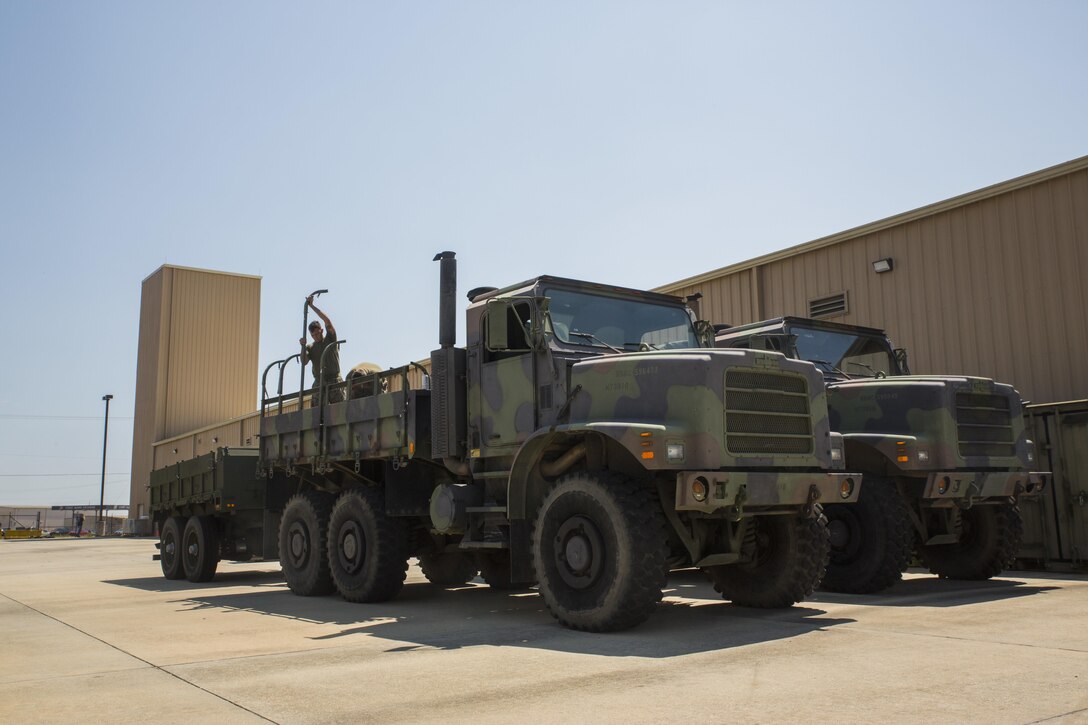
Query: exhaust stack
449,419
447,299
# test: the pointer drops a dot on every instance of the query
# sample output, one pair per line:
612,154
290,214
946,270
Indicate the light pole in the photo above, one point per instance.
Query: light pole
102,493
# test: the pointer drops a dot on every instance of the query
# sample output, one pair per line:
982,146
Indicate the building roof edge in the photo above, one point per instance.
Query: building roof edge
1004,187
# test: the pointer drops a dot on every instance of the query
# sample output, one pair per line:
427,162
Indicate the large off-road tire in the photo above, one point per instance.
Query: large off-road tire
871,540
170,548
448,569
495,571
600,552
368,551
200,548
788,557
304,528
990,536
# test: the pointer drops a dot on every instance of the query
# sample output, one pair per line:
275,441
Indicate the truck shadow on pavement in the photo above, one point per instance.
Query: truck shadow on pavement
931,591
692,618
222,578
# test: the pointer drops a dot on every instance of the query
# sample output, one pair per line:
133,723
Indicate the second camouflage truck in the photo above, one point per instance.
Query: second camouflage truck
945,457
587,439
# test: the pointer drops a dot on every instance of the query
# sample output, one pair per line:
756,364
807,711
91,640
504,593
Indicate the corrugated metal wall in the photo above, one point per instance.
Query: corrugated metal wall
150,384
991,286
240,432
1056,523
197,359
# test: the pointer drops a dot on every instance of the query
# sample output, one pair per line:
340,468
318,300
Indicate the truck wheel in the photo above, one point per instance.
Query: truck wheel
368,551
495,571
200,548
788,558
170,548
304,527
989,539
599,552
448,569
871,540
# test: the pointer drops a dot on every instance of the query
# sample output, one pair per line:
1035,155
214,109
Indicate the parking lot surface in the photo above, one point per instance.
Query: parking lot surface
93,633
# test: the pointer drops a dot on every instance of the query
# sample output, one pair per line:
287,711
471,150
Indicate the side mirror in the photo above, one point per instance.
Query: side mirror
704,331
537,328
497,337
900,355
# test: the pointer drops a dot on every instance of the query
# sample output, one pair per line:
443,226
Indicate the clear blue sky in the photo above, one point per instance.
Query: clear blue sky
342,145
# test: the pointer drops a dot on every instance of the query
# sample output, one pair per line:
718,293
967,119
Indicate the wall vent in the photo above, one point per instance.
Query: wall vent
829,306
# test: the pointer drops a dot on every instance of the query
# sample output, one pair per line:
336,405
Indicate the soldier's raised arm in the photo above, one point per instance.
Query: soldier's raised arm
324,318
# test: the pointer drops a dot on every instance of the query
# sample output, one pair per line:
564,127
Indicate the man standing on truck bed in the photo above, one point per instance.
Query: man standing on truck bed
313,352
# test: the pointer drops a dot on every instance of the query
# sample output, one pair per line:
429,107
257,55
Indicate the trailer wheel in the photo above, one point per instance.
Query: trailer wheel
599,552
450,569
871,540
170,548
367,550
989,539
788,558
200,548
303,529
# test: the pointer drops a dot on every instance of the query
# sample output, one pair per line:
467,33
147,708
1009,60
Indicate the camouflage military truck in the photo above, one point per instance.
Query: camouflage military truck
587,438
945,458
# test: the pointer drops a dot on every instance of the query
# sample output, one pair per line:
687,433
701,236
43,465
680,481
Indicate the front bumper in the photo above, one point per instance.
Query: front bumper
732,492
949,488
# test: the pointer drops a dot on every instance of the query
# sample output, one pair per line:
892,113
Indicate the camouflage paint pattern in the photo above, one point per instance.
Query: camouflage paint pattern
381,426
926,428
647,402
925,406
685,391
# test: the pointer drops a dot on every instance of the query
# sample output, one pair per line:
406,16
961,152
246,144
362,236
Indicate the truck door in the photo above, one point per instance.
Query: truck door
502,402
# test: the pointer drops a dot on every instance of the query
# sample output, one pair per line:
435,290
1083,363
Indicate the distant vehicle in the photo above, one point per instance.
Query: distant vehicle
61,531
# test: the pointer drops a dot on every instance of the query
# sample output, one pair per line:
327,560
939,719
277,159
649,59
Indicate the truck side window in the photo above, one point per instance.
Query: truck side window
518,317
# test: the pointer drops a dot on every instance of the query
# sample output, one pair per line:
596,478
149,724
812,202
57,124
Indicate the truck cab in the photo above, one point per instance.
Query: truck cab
953,448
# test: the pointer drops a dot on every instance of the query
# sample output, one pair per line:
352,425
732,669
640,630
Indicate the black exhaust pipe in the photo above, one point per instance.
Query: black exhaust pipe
447,299
448,397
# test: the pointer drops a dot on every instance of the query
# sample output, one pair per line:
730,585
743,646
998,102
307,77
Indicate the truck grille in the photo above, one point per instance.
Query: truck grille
766,413
984,425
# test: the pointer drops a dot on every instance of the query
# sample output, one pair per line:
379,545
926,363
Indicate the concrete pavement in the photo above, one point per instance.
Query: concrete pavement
93,633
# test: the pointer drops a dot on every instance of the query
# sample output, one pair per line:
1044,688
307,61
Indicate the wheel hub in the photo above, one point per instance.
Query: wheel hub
350,547
298,544
579,552
839,534
846,534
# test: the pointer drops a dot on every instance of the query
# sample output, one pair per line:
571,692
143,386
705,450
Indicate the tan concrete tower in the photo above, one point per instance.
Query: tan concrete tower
197,360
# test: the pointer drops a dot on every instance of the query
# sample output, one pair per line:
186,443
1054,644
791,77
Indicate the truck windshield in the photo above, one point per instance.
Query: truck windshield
581,318
844,352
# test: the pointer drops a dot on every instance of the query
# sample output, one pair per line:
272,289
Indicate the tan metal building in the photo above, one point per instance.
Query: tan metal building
197,359
988,283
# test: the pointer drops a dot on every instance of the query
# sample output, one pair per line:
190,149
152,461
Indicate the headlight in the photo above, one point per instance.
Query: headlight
674,451
836,454
923,456
1031,451
846,488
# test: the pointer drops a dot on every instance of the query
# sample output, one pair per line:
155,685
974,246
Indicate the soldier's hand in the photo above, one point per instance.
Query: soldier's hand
302,341
310,300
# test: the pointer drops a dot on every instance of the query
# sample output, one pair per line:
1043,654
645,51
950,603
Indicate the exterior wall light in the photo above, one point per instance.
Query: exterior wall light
883,265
